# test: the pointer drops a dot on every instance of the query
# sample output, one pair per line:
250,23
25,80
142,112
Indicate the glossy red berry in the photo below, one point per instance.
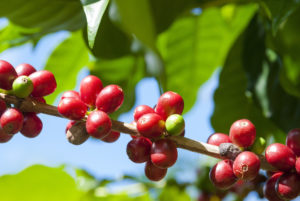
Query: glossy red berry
141,110
44,83
4,137
138,149
70,94
269,188
293,140
169,103
90,87
246,166
221,175
39,99
218,138
25,69
11,121
32,125
280,156
69,125
111,137
288,186
110,98
154,173
163,153
151,125
3,106
98,124
242,133
72,108
7,75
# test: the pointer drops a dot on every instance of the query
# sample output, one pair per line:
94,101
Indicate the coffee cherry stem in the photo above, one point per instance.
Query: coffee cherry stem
30,105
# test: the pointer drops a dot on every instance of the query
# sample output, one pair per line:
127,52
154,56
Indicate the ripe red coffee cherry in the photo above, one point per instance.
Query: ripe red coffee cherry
280,156
204,197
154,173
169,103
138,149
246,166
25,69
221,175
242,133
218,138
98,124
111,137
7,75
44,83
32,125
293,140
288,186
72,108
39,99
70,94
69,125
297,165
110,98
4,137
163,153
151,125
269,188
90,87
11,121
2,106
141,110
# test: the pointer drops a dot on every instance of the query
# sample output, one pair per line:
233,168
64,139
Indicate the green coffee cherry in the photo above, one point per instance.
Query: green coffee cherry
22,86
175,124
259,145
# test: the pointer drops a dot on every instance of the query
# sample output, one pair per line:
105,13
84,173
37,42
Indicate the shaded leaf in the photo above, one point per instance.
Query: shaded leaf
173,193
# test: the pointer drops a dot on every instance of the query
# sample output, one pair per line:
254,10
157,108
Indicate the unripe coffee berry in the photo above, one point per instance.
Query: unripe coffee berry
280,156
111,137
246,166
72,108
269,188
44,83
259,145
11,121
293,140
175,124
90,87
151,125
242,133
222,176
141,110
154,173
218,138
32,125
163,153
98,124
169,103
110,98
7,75
22,86
138,149
288,186
25,69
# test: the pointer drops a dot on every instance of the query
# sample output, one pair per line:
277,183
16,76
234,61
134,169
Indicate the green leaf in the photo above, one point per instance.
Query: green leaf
44,15
94,12
65,62
136,18
196,45
125,72
173,193
38,183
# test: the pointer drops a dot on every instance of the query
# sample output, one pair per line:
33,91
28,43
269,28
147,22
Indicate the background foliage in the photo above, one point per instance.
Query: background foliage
254,46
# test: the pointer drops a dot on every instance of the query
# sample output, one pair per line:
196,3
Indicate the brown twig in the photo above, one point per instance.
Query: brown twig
30,105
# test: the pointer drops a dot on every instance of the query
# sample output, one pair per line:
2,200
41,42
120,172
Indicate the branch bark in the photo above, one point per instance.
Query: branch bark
30,105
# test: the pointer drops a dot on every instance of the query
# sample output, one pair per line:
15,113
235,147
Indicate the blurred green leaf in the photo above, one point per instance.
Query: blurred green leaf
38,183
125,72
65,62
173,193
196,45
94,12
44,15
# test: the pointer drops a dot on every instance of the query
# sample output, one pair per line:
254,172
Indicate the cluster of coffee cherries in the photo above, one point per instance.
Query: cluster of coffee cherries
154,125
283,183
23,82
94,103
